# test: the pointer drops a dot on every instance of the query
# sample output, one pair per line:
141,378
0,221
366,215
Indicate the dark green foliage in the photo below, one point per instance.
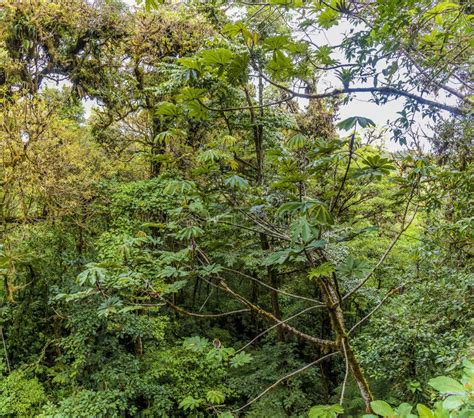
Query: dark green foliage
206,244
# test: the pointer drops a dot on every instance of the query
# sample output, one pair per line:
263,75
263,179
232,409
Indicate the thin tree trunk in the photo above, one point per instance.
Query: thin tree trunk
331,298
257,128
157,148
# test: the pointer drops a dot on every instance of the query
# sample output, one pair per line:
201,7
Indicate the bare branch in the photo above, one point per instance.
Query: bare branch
384,256
276,290
233,109
377,307
274,385
297,333
346,373
388,91
351,151
199,315
276,325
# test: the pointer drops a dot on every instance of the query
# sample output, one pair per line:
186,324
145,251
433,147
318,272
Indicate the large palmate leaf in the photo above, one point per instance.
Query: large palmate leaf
218,56
353,121
167,109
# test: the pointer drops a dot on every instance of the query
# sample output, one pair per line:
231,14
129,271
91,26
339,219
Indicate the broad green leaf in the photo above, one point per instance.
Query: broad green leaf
288,3
313,208
131,308
281,65
306,233
196,110
190,63
453,402
424,411
167,109
320,243
218,56
192,231
240,359
445,384
323,54
71,297
238,68
352,267
172,133
325,411
171,272
297,47
404,410
440,412
289,208
378,165
382,408
191,93
301,230
296,142
152,4
215,397
92,275
209,269
176,286
190,404
178,187
236,182
109,306
196,344
320,212
441,7
234,29
207,156
324,269
281,60
364,122
349,123
278,257
274,43
328,17
218,355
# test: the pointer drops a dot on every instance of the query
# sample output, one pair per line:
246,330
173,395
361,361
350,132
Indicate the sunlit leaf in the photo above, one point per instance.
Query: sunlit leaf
382,408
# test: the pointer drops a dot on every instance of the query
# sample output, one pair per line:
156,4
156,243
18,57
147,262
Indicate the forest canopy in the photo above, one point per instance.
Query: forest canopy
190,228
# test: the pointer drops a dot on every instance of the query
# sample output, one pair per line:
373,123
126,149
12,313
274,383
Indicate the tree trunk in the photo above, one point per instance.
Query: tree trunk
257,128
157,147
331,298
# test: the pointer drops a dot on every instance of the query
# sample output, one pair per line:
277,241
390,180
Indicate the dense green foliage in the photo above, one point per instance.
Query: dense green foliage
212,240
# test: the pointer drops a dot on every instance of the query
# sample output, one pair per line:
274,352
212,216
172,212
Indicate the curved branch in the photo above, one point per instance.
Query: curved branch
233,109
294,373
276,325
297,333
376,308
404,227
274,289
351,152
199,315
346,373
388,91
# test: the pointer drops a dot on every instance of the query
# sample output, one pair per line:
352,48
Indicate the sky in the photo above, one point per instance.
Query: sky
360,105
